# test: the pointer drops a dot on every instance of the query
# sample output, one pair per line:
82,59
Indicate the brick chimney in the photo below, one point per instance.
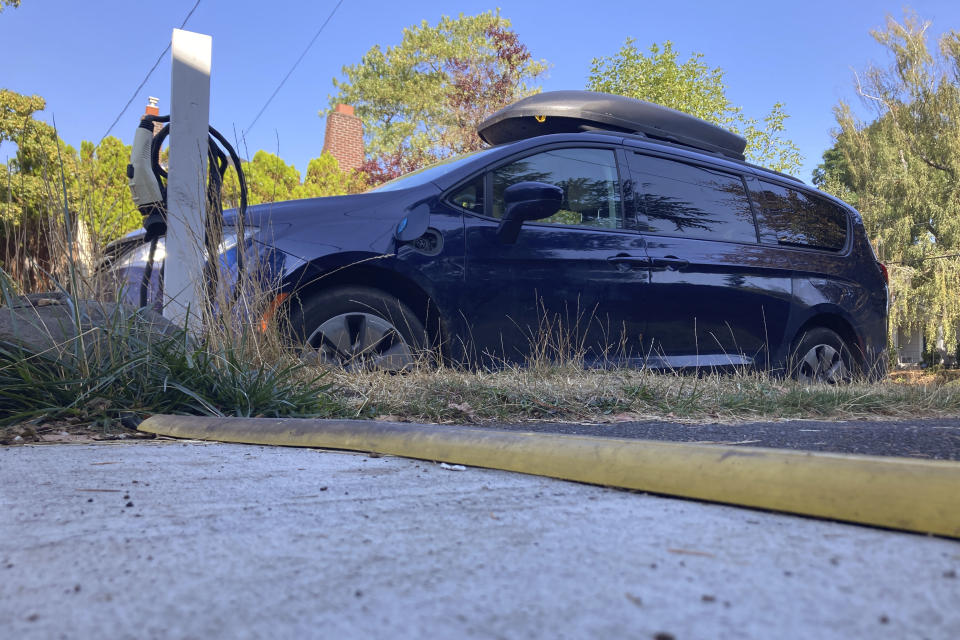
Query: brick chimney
153,110
344,137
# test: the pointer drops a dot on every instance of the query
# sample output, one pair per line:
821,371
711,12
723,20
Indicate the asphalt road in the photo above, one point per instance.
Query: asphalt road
934,439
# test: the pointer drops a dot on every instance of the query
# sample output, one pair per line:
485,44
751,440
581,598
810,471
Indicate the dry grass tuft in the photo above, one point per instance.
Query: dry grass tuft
571,393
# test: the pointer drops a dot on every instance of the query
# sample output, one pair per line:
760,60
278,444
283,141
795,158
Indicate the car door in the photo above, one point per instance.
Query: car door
718,296
571,284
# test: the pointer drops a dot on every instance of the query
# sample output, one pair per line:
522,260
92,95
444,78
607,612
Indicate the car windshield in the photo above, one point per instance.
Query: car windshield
427,174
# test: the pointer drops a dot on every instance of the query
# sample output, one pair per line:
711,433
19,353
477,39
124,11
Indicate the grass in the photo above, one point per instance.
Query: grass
126,371
933,376
571,393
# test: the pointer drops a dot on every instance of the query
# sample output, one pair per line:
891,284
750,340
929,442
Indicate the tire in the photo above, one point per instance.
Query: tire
357,328
820,356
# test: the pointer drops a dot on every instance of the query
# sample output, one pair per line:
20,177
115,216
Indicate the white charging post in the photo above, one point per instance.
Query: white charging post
183,286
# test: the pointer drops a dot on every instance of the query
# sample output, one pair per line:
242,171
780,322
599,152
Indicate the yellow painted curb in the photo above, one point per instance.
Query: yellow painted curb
900,493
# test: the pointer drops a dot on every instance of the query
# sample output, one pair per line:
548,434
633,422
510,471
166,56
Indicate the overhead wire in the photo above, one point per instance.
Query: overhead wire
295,64
149,73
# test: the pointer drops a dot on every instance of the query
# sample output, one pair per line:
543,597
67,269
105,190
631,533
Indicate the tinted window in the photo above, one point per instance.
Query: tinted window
469,195
588,177
676,198
792,217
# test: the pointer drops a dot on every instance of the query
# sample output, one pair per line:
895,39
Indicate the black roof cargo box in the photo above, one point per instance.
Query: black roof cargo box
574,111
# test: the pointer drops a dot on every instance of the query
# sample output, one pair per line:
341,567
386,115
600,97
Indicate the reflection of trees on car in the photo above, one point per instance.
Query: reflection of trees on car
513,173
683,216
518,172
820,223
680,198
588,198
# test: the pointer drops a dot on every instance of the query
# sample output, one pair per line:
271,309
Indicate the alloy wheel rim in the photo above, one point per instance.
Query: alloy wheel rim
360,341
822,363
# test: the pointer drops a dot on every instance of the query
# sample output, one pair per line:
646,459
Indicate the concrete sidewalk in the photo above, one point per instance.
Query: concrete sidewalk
173,540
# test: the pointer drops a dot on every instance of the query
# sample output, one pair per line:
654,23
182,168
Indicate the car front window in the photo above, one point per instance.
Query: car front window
469,195
588,177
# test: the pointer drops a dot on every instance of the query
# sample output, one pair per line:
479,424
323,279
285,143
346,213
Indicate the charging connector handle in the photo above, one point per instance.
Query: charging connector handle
143,185
146,189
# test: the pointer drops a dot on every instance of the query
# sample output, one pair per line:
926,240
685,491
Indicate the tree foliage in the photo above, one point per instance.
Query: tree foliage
45,170
106,203
31,186
270,179
902,170
695,88
9,3
324,178
34,184
421,100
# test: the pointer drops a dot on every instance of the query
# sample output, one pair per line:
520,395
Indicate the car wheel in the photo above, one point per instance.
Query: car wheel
358,328
821,356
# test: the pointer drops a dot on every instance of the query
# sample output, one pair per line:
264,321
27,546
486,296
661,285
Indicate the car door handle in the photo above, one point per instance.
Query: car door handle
626,261
669,263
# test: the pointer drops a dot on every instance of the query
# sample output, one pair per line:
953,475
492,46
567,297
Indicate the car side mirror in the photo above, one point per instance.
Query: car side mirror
527,201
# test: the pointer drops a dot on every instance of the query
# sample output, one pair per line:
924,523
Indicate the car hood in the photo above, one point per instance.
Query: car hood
362,222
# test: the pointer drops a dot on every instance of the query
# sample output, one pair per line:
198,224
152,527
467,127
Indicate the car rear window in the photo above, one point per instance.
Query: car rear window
794,218
680,199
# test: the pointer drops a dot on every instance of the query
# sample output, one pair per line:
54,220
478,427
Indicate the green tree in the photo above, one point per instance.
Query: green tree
324,178
694,88
96,182
902,170
422,100
9,3
833,175
33,187
269,178
106,204
16,114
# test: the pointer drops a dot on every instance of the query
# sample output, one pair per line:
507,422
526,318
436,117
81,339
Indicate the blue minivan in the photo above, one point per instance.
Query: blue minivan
631,233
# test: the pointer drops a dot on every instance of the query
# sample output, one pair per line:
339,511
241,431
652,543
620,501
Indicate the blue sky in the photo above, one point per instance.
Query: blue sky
86,58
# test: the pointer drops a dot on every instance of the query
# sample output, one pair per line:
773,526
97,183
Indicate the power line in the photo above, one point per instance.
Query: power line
149,73
277,90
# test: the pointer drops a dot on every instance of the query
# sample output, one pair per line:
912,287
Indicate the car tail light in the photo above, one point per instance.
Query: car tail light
883,270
